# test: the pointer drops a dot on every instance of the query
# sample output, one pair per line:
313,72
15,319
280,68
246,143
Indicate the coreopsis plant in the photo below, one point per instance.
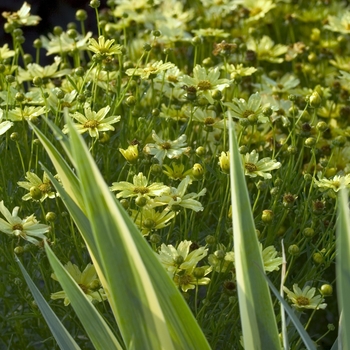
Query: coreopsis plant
28,228
305,298
255,94
38,189
94,122
166,148
254,167
205,82
87,281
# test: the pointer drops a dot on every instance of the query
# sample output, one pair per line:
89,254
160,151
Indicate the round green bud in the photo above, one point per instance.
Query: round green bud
37,81
179,260
28,58
308,232
321,126
59,93
326,290
310,142
81,15
19,250
35,193
156,169
267,111
267,216
38,44
14,136
57,30
155,112
147,47
79,71
95,4
199,272
10,78
197,171
156,33
17,32
50,216
219,254
274,191
72,33
196,40
155,238
208,62
124,203
130,101
200,151
339,141
216,95
315,99
141,202
318,258
210,239
293,249
19,97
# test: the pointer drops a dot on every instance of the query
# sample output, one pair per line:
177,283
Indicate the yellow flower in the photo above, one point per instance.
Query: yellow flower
5,52
27,228
162,148
87,281
131,154
149,219
104,47
43,187
254,167
139,188
175,198
224,162
151,70
266,49
206,82
305,299
22,17
35,70
93,122
176,172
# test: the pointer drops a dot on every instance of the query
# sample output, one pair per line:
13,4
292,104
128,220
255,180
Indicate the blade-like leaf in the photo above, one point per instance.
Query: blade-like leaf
95,326
149,309
343,266
256,310
67,177
63,338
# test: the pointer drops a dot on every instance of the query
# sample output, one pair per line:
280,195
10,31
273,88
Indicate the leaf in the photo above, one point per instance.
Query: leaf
95,326
63,338
343,266
256,309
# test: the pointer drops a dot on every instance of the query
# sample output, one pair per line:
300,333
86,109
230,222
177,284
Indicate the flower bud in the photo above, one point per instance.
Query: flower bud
326,290
131,154
315,99
224,162
199,272
141,202
50,216
308,232
267,216
293,249
197,171
35,193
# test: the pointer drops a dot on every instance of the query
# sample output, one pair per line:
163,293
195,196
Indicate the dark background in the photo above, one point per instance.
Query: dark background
53,13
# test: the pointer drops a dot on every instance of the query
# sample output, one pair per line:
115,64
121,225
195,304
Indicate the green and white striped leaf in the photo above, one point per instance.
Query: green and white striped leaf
343,267
63,338
96,328
255,305
149,309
